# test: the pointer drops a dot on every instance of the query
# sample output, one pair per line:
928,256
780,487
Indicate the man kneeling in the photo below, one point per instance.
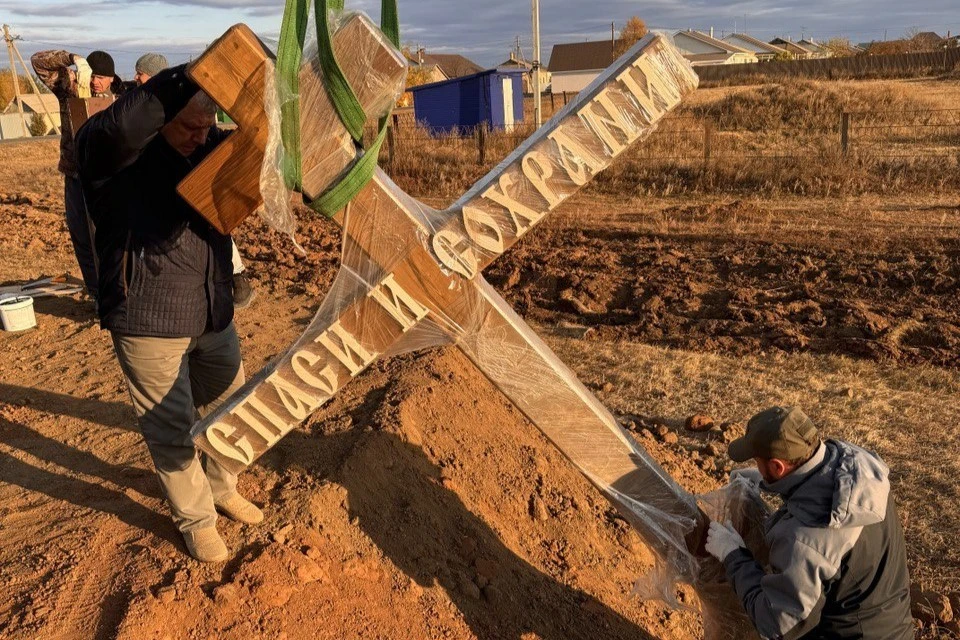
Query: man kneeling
838,566
165,290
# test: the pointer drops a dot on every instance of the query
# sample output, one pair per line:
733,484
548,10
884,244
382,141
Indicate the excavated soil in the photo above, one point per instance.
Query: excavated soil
418,504
624,279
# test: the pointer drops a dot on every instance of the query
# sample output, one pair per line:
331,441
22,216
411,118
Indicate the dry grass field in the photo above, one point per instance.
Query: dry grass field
418,503
781,139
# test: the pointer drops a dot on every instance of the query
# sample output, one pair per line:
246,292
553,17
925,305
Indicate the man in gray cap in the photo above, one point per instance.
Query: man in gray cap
149,65
838,564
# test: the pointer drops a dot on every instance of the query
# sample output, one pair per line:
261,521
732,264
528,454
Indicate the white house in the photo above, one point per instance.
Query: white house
763,50
819,50
700,49
44,104
798,51
574,65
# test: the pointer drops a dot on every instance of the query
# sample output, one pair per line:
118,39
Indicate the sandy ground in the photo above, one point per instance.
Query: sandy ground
419,503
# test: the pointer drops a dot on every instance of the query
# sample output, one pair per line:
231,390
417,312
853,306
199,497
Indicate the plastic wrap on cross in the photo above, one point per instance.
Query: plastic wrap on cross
410,275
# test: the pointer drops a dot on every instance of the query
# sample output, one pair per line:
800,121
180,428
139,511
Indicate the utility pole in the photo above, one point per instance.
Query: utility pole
535,66
36,89
15,78
33,84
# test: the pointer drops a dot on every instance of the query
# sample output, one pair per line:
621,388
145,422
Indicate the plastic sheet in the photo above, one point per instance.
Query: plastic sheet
376,72
723,615
410,279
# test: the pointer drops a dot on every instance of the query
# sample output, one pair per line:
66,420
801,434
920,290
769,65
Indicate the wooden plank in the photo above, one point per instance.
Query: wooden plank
621,107
376,72
82,109
225,187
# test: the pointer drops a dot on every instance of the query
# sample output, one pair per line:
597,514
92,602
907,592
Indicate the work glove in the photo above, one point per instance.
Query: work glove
722,540
84,74
750,474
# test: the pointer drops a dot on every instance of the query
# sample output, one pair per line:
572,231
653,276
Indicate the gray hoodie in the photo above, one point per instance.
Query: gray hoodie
837,555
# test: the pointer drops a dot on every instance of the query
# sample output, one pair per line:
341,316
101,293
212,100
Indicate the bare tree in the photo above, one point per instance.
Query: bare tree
840,47
910,33
629,35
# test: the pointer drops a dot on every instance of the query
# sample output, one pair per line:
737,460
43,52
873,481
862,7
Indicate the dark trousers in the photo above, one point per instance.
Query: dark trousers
81,232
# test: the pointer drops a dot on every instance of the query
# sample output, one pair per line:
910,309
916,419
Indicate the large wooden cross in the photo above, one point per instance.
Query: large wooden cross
411,271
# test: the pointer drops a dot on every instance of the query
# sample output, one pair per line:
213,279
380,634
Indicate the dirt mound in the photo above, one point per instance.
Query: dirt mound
272,258
421,504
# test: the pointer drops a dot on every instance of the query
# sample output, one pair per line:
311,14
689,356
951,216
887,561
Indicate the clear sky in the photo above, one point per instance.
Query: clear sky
483,31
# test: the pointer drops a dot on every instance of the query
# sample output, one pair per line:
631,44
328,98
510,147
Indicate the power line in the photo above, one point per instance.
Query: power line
191,52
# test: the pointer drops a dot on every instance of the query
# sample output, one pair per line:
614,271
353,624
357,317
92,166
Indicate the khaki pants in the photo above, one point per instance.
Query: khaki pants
170,380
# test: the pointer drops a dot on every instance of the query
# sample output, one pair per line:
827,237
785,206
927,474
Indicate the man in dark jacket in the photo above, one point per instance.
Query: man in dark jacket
166,290
94,76
838,565
147,66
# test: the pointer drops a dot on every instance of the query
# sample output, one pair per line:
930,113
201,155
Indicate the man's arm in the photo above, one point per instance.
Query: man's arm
787,602
52,67
114,138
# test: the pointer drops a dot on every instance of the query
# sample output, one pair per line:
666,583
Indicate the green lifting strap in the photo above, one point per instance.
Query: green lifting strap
290,50
342,96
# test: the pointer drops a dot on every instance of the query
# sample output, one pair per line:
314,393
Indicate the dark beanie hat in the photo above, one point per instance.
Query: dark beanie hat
101,64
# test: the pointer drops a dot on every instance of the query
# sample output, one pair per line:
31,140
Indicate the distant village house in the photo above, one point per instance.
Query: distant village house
764,51
11,124
514,62
701,49
574,65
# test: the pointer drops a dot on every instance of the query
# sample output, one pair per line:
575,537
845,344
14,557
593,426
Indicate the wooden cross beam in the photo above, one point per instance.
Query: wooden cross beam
412,268
235,70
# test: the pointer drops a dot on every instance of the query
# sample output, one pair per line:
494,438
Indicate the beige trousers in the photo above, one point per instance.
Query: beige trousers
170,381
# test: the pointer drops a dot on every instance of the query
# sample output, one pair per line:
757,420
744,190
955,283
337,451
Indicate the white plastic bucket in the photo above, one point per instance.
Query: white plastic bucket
16,314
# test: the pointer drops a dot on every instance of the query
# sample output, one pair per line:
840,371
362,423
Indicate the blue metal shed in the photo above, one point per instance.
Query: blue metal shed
494,96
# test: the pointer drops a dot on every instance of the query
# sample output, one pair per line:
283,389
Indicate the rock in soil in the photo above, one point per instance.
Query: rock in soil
699,422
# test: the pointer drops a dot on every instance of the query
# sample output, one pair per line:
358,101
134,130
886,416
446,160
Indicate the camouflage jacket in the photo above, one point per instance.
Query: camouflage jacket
53,69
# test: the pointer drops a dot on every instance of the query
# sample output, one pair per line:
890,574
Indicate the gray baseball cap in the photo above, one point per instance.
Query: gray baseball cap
785,433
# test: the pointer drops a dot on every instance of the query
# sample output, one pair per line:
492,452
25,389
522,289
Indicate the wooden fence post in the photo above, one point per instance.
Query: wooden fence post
707,141
481,145
564,98
844,132
390,143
